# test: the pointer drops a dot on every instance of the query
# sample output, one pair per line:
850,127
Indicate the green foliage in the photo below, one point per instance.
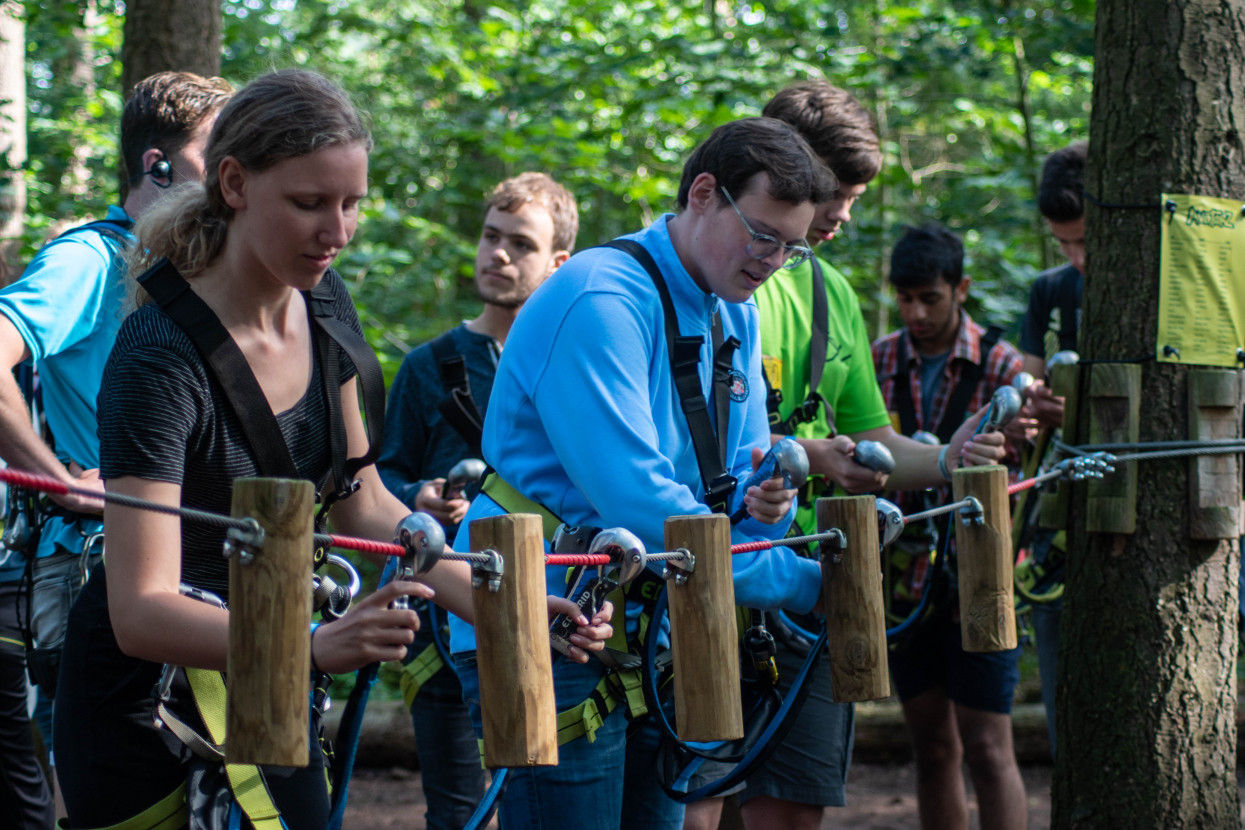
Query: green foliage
74,109
610,97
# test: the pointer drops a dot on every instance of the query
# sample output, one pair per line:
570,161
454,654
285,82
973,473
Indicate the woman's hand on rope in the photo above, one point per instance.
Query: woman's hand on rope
969,450
768,502
591,633
370,631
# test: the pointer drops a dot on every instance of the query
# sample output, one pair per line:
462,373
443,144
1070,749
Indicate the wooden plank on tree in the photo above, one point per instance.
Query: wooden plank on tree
1214,480
1114,407
1053,507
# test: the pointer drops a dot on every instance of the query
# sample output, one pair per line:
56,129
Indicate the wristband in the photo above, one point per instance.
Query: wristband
311,647
942,462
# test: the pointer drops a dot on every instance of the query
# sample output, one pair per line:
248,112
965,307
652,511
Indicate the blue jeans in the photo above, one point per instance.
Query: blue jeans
449,757
586,789
1046,617
1046,632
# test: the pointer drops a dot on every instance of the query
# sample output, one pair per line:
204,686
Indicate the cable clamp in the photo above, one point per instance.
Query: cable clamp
491,567
681,568
245,542
972,513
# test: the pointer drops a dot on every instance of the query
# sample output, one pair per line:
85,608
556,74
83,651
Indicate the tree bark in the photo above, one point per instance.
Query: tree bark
1147,663
12,137
170,35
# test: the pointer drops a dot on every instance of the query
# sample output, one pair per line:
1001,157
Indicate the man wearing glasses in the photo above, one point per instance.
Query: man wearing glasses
827,408
586,423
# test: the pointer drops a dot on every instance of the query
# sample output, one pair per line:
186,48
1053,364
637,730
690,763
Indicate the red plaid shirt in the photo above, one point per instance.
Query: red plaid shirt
1002,364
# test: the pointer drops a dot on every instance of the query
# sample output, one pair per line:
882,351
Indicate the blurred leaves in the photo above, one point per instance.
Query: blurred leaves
609,97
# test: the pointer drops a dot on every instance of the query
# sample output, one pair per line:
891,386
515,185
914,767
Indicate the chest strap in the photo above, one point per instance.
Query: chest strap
259,425
684,354
458,407
818,345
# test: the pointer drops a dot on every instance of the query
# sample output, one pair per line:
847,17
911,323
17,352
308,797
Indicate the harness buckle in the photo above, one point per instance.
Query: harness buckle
761,648
718,495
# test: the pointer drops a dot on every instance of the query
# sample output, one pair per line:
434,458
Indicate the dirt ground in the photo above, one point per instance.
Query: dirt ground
878,797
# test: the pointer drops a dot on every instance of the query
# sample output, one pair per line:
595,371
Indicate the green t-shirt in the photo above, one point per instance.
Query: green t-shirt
848,383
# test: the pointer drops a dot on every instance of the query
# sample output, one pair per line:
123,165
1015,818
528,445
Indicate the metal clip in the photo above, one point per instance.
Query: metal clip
890,522
424,539
329,598
625,550
492,569
245,542
972,513
679,569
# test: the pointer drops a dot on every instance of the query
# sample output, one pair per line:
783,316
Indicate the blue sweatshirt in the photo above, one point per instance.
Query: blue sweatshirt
585,419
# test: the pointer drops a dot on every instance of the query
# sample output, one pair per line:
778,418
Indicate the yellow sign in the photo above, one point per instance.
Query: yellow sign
1201,281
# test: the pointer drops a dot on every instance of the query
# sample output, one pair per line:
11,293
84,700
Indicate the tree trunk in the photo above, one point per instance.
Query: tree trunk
12,137
1147,661
76,181
170,35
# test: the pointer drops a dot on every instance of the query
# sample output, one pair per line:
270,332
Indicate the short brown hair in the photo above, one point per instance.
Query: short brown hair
537,188
834,124
735,152
162,112
1062,188
281,115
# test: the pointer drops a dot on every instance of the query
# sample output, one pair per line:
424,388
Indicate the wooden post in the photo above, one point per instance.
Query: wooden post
1215,491
512,647
855,611
703,634
1114,401
269,664
984,557
1053,507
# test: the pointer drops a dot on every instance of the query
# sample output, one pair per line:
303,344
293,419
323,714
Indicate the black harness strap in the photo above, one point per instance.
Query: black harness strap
1069,307
321,301
957,404
817,348
458,407
174,296
259,425
684,354
117,229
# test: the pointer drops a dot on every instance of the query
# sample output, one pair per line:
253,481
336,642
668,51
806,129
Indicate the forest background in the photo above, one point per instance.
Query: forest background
608,97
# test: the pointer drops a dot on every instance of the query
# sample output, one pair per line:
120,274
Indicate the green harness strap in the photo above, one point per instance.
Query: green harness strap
208,689
512,501
418,672
169,813
618,686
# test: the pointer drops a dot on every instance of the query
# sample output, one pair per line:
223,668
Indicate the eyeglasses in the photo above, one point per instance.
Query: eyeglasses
763,246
